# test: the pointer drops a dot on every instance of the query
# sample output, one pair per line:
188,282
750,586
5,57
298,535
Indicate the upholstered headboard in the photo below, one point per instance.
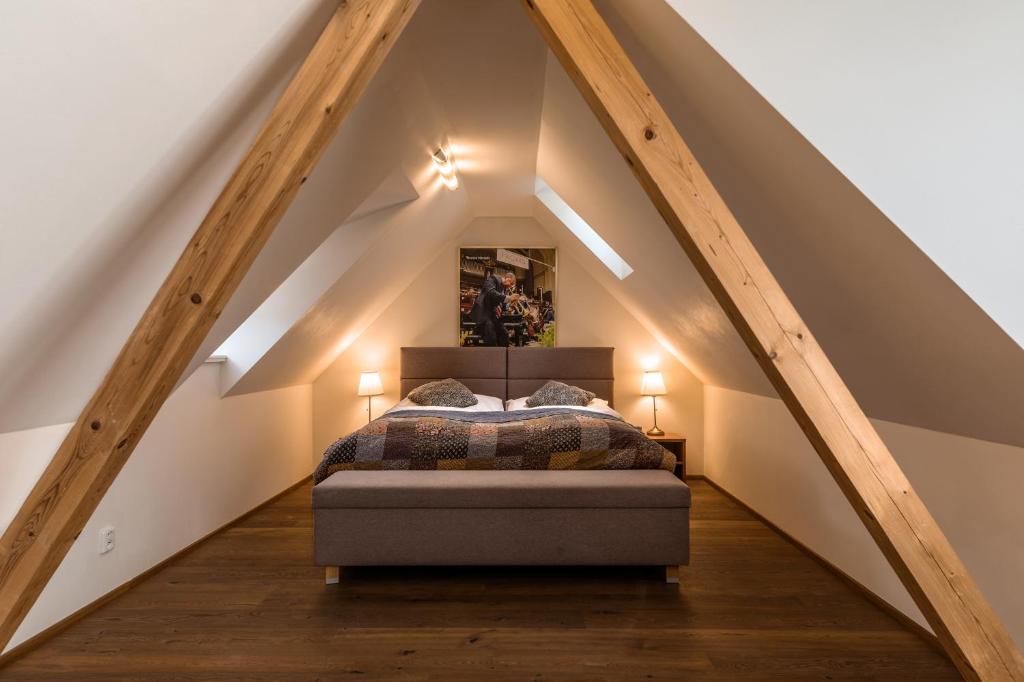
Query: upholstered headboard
511,373
482,370
589,368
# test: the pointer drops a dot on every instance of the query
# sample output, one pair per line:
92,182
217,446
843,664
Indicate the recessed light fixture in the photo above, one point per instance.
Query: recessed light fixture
445,165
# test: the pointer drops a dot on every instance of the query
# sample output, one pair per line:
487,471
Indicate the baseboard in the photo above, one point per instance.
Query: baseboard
61,625
903,619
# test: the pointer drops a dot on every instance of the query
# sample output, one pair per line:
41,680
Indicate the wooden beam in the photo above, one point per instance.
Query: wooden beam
325,88
773,330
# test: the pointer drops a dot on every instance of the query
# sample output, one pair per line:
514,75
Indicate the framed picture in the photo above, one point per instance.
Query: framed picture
507,296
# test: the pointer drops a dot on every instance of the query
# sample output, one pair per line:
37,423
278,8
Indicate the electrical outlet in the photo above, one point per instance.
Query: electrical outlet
106,539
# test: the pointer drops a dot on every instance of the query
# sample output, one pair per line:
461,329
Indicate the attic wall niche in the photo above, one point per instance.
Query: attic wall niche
425,314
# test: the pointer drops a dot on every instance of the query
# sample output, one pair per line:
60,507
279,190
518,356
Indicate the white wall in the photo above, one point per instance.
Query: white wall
917,102
755,450
426,314
203,462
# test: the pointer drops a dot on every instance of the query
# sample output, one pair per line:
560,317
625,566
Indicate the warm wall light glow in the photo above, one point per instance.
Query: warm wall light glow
469,158
444,162
343,345
371,357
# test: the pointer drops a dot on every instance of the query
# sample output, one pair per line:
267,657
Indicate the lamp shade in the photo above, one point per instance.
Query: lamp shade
369,384
653,384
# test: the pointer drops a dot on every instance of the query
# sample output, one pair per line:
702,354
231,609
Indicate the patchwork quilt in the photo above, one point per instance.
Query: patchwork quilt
549,438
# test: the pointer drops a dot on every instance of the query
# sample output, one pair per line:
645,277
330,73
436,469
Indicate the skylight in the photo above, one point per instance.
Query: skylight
584,232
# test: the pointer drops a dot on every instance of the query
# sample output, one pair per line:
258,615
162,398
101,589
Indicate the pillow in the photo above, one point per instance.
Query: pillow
557,393
444,393
484,403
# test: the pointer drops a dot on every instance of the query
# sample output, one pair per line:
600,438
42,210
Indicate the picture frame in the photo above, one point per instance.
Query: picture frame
507,296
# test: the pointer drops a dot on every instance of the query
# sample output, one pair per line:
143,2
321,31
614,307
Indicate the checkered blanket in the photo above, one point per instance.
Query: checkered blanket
549,438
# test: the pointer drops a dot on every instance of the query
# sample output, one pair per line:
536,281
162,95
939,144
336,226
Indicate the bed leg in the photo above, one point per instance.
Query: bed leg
332,575
672,575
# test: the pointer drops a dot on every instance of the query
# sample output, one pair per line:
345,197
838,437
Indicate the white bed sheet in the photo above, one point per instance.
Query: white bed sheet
484,403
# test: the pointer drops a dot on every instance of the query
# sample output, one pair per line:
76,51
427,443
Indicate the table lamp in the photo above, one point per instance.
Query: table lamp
369,385
653,385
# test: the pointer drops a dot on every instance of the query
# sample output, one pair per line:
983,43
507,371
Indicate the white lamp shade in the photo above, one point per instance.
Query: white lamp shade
369,384
653,384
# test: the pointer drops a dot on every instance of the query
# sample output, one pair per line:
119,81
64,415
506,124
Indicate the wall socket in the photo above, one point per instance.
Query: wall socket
106,539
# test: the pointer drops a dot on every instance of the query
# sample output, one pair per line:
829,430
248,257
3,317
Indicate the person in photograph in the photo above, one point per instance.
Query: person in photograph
486,311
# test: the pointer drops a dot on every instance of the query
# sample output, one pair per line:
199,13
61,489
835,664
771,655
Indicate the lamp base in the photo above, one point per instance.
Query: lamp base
655,432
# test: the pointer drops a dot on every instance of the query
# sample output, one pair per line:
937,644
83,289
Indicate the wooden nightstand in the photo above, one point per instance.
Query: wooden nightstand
676,444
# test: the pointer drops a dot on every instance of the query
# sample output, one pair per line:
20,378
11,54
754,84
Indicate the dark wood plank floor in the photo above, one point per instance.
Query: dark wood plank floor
248,605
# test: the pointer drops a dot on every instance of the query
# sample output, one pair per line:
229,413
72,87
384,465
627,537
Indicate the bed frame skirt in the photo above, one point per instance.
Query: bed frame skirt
501,518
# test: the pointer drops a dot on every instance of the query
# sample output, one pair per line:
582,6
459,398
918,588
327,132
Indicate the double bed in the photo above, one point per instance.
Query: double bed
542,486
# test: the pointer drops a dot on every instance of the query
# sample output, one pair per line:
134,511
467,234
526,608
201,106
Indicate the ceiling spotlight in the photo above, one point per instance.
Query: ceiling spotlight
445,165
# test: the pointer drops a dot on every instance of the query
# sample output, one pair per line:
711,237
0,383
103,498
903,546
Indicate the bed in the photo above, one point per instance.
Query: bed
439,509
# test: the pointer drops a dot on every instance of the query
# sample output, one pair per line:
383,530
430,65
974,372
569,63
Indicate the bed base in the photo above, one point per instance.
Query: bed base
501,518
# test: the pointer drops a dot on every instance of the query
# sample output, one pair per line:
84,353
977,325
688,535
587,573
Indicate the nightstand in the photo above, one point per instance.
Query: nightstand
676,444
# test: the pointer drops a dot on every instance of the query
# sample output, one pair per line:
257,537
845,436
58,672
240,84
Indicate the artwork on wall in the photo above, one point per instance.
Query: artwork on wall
507,296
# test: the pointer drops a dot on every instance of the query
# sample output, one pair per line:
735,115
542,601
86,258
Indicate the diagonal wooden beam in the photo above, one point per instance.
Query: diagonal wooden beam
773,330
325,88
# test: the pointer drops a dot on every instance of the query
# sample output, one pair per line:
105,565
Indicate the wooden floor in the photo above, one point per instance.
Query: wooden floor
248,605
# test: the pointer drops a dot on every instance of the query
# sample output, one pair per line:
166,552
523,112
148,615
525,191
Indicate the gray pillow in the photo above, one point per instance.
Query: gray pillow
444,393
557,393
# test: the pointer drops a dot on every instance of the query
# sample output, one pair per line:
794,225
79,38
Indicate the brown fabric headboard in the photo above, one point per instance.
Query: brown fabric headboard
482,370
589,368
511,373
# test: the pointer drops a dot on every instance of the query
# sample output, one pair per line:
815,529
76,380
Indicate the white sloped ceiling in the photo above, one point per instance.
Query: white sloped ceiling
581,164
480,67
303,287
362,292
105,209
101,231
918,103
912,346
